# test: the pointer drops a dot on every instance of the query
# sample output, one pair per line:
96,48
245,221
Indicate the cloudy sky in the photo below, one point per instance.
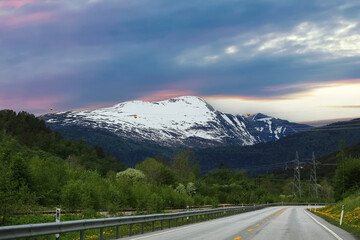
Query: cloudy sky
298,60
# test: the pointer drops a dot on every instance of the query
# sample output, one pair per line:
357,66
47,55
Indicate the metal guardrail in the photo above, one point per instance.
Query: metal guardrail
33,230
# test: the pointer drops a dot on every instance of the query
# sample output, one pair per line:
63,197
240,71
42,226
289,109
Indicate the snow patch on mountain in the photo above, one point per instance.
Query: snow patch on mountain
183,121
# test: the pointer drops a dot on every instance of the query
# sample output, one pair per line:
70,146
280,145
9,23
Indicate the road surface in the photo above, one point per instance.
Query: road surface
287,223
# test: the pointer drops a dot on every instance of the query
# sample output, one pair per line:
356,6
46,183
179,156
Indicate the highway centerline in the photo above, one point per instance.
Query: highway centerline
253,231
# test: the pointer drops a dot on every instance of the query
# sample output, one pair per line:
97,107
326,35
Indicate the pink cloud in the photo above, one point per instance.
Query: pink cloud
167,94
15,3
192,83
27,18
237,97
30,104
96,106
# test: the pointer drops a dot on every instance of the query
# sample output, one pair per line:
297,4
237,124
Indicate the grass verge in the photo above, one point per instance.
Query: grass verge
351,217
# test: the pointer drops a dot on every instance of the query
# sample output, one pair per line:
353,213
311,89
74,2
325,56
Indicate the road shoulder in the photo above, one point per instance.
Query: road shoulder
339,231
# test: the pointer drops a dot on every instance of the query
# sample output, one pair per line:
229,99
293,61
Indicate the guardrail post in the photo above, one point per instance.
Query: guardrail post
81,235
182,221
162,224
176,222
117,232
342,213
142,228
101,234
130,229
153,226
169,223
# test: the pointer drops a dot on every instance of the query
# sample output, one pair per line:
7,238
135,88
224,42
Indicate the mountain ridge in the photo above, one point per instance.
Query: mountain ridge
184,121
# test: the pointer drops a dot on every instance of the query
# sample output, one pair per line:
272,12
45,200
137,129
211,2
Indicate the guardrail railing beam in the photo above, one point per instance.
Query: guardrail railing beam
33,230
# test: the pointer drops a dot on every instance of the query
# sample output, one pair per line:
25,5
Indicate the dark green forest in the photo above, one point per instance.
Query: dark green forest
263,157
41,170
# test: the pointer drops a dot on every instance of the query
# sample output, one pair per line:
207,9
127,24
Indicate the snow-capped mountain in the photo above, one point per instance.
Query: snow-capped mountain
183,121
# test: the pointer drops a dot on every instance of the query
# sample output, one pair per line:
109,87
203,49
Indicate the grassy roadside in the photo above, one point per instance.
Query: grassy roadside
351,218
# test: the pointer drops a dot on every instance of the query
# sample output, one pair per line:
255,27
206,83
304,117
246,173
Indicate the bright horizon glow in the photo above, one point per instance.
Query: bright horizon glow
327,101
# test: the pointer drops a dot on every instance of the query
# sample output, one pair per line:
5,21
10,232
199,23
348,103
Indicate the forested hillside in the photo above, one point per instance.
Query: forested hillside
265,157
40,170
33,133
257,159
130,152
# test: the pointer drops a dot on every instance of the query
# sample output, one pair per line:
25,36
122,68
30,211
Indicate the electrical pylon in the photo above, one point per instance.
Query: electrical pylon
313,187
297,180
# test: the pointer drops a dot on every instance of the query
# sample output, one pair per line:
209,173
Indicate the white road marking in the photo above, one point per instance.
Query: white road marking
326,228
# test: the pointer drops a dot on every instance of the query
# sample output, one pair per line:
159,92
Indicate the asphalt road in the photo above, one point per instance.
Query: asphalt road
287,223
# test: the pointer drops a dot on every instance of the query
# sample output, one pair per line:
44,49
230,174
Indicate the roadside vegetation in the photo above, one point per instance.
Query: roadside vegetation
351,217
347,194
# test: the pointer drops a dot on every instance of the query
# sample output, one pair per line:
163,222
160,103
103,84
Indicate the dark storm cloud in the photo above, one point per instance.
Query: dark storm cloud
109,51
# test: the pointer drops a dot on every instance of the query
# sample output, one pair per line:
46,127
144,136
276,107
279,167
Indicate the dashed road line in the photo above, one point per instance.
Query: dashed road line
258,225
